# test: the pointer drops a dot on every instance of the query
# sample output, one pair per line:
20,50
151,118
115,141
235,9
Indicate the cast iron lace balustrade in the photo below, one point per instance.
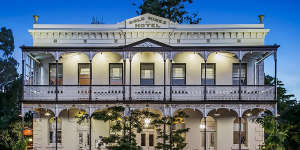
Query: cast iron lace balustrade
147,92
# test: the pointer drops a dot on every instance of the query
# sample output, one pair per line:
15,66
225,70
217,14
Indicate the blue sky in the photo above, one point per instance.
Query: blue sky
281,16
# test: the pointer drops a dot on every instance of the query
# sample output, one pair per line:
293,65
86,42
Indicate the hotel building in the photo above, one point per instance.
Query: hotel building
214,73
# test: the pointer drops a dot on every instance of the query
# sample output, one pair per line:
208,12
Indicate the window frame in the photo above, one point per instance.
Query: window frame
78,70
174,64
141,72
215,73
49,77
122,75
246,73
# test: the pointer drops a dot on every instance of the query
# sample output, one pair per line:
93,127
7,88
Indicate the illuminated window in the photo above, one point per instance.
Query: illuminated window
178,74
210,73
211,135
52,133
235,74
147,74
115,73
84,74
52,74
243,131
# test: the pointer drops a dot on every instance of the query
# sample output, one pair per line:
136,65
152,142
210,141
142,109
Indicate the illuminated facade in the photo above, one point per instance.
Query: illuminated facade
215,73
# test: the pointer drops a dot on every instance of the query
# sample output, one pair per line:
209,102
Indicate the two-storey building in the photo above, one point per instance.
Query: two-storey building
215,73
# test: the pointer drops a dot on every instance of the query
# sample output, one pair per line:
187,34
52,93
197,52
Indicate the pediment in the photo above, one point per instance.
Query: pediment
150,43
147,44
148,21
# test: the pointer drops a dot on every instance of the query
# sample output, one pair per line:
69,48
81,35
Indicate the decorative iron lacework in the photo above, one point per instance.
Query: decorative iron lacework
147,44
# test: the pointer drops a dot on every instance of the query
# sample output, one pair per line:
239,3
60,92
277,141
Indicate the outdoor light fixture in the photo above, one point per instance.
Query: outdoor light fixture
248,114
217,115
47,114
147,122
202,126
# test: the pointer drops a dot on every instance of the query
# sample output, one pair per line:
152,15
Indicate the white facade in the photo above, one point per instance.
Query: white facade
149,40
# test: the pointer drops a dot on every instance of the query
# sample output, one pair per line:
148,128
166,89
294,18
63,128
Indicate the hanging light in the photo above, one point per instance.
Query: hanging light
147,122
248,114
202,126
217,115
47,114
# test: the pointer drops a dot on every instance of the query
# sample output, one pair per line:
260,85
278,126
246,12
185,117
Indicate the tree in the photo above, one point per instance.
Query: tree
171,9
274,139
8,70
173,140
288,121
10,94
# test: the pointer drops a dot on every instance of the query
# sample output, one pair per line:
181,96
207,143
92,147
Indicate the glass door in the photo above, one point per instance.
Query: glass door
147,139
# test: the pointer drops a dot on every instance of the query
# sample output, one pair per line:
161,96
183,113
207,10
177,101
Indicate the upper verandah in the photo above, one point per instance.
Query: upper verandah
148,26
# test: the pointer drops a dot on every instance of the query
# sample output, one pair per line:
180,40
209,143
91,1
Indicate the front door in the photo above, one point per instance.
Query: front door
210,140
147,139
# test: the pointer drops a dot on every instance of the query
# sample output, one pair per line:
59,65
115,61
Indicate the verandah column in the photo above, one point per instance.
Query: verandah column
170,78
23,83
124,76
240,126
56,117
164,77
56,76
275,76
130,59
90,128
205,67
91,80
205,138
240,74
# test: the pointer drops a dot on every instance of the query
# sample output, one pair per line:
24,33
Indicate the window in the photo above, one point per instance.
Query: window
84,74
211,132
115,74
243,131
151,140
52,74
235,74
52,133
147,74
178,74
143,139
210,73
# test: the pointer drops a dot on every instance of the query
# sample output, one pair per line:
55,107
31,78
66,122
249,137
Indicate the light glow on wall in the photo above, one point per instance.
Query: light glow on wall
147,122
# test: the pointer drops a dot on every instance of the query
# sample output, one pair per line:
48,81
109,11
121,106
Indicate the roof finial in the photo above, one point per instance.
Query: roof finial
36,18
261,19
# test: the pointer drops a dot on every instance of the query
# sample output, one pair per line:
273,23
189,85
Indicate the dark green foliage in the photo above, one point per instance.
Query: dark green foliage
274,139
287,135
174,140
6,42
171,9
8,65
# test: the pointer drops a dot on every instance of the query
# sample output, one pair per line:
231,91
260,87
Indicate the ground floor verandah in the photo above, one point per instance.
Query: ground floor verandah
211,126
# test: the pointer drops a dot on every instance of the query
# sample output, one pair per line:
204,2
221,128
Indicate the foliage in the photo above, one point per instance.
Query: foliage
171,9
173,140
8,70
288,122
275,138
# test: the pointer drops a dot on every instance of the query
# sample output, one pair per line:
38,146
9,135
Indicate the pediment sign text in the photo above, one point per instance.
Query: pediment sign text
147,22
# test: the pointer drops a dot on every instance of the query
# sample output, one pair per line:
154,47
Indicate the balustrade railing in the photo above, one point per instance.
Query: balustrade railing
147,92
189,92
107,93
222,92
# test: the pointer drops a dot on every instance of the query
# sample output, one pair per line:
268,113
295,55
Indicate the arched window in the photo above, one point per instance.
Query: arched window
243,131
211,138
52,133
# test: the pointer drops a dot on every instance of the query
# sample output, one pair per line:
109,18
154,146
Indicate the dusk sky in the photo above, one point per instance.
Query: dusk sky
281,16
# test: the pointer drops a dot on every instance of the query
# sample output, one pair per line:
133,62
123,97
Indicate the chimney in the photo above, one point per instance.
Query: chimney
261,19
36,18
